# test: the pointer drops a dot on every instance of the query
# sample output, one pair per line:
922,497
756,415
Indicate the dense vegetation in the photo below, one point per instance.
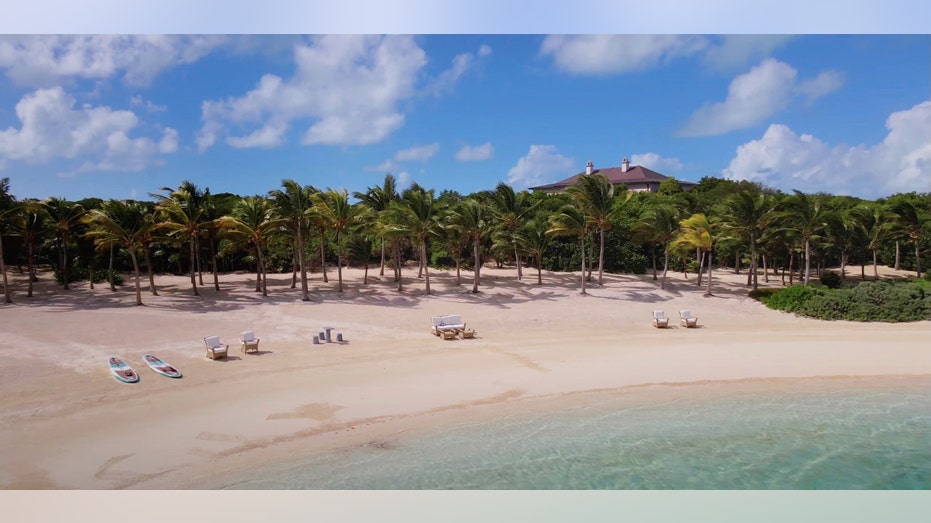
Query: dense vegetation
594,228
888,301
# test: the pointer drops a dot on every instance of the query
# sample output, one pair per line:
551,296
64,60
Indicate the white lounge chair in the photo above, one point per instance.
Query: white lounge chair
687,319
660,320
446,323
215,349
249,341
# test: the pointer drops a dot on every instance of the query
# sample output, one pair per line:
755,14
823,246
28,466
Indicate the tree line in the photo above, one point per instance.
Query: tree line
300,228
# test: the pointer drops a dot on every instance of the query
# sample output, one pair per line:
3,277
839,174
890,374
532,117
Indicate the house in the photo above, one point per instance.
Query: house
637,178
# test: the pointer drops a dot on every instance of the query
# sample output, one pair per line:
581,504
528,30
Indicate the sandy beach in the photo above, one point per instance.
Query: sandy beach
72,425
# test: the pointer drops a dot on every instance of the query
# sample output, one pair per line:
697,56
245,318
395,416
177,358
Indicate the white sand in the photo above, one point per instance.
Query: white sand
66,423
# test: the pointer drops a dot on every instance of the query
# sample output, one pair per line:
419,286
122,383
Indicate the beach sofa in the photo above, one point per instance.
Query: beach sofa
660,320
687,319
447,323
215,349
249,341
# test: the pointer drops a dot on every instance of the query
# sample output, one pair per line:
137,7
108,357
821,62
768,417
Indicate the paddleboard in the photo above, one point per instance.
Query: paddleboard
160,366
122,371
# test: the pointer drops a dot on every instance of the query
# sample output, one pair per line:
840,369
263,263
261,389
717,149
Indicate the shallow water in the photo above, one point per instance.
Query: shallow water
827,434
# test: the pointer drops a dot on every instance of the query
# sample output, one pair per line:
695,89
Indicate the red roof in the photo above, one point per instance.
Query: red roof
635,176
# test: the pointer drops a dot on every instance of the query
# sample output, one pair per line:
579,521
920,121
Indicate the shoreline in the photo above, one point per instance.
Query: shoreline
74,426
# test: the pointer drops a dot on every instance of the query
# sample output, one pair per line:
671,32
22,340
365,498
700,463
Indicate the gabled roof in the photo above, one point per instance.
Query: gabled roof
635,175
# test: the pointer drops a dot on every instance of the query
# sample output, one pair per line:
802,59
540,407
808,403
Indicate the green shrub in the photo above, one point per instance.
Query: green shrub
831,280
887,301
790,298
763,294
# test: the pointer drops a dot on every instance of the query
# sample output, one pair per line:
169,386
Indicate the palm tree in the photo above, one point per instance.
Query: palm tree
596,197
878,222
698,233
184,216
571,221
511,210
378,199
421,213
32,226
533,239
391,225
910,220
123,223
292,204
808,217
747,215
252,222
338,214
472,218
64,217
7,208
659,223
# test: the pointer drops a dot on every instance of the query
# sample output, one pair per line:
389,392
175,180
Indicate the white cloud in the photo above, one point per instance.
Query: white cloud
139,101
730,51
754,96
446,80
419,153
542,164
785,160
53,128
349,86
45,60
656,162
825,83
475,153
386,166
612,54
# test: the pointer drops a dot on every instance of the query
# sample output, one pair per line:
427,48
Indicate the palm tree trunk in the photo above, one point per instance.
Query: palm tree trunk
520,273
875,267
7,296
807,261
382,273
662,284
582,250
148,264
791,272
200,269
708,292
110,272
213,256
132,254
323,256
258,268
64,263
339,266
300,260
917,260
365,275
897,252
397,265
423,261
701,265
294,267
193,266
765,269
478,266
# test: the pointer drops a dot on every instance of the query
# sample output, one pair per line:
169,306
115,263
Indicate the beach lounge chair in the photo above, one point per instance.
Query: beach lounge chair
687,319
215,349
467,333
446,323
660,320
449,334
249,341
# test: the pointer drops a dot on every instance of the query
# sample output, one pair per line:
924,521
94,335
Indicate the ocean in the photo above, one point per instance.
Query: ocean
829,433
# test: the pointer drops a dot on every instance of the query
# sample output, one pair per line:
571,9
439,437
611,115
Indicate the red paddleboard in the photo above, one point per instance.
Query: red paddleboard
122,371
161,367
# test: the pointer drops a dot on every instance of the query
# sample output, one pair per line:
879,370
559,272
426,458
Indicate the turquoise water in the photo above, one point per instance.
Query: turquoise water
834,434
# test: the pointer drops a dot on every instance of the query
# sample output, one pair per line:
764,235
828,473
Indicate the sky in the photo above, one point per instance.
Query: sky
120,115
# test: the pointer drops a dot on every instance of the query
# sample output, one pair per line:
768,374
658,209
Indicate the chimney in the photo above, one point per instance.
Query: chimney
625,164
589,168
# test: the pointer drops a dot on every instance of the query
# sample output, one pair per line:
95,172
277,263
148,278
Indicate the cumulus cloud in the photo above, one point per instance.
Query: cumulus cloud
656,162
462,63
139,101
45,60
420,153
754,96
612,54
786,160
542,164
475,153
52,128
730,51
348,86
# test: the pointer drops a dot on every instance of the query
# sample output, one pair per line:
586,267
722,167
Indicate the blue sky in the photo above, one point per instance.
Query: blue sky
122,116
